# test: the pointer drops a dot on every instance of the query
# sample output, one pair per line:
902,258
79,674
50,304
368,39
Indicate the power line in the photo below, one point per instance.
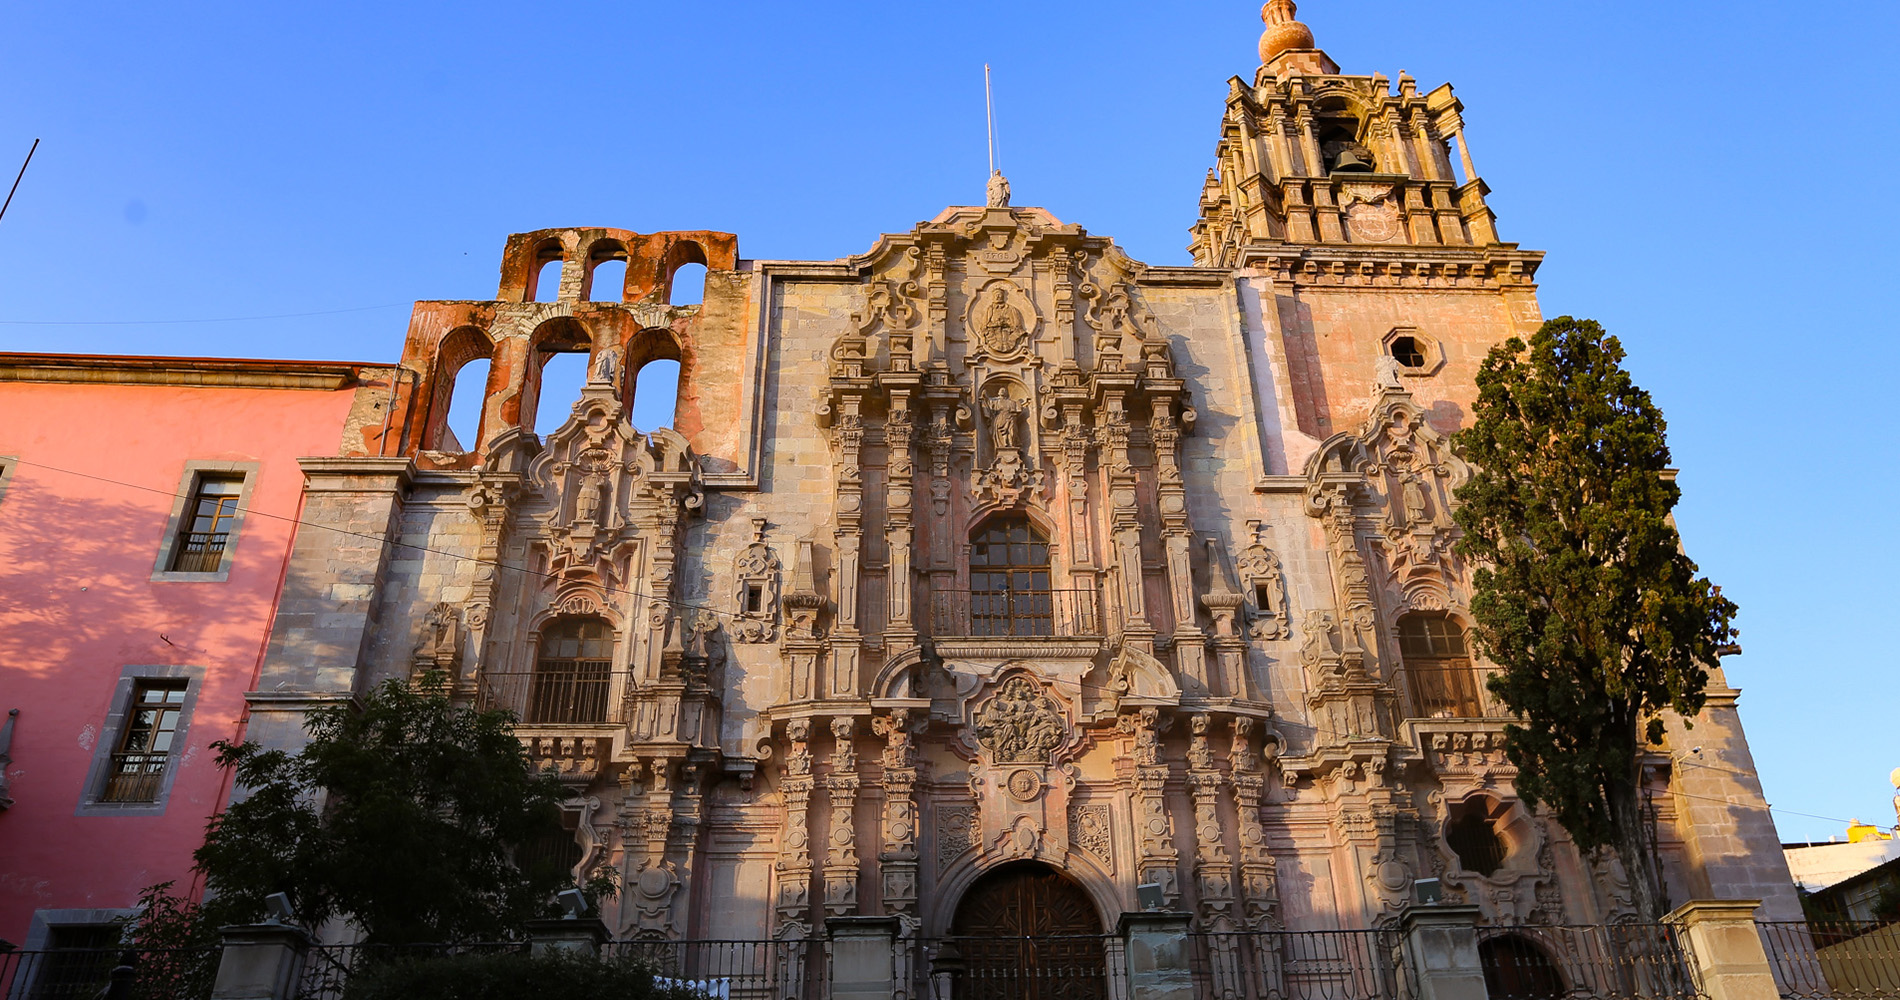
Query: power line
16,179
170,322
497,564
686,605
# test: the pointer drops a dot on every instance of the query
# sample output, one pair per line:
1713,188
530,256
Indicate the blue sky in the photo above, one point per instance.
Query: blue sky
1713,181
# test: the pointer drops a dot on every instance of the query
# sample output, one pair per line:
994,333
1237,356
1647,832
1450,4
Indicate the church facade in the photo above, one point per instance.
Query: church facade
993,566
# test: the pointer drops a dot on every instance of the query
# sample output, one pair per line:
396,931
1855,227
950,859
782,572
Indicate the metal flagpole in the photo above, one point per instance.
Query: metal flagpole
36,145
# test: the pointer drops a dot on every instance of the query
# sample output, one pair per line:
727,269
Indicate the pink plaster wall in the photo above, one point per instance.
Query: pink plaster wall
78,604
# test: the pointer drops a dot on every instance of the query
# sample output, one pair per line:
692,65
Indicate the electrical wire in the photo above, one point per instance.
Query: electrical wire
172,322
687,605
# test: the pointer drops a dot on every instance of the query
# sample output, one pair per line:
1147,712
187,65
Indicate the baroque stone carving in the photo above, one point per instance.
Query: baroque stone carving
956,833
1089,830
1020,725
756,574
1264,585
1001,319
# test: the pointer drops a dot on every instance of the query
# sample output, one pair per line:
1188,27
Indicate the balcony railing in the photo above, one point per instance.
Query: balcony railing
1444,690
1033,613
135,777
572,697
199,552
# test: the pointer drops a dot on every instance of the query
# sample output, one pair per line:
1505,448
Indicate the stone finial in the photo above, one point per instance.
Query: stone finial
1283,30
1286,47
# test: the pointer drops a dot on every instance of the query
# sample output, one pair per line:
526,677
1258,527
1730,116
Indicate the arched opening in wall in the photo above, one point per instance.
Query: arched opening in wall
1027,930
685,274
562,376
572,670
688,287
607,272
459,391
1438,667
462,430
1471,831
547,280
1010,592
559,354
656,395
1515,968
1336,128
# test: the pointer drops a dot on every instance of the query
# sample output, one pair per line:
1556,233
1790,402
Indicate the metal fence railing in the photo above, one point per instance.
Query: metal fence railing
199,552
90,973
327,968
1837,958
578,697
1046,967
727,970
1604,962
1298,965
1065,614
135,777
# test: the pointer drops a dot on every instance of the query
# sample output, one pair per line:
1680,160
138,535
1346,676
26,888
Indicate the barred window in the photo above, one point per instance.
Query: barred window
1438,668
137,770
207,525
1009,580
571,673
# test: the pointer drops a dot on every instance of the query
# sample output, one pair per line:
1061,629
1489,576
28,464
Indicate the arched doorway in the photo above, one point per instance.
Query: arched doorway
1028,932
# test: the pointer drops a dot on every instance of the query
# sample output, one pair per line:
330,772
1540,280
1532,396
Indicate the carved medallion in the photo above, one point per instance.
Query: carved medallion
1024,785
1001,319
1020,724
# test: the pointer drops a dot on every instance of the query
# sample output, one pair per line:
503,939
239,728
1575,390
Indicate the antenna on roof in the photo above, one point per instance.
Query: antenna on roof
989,114
997,187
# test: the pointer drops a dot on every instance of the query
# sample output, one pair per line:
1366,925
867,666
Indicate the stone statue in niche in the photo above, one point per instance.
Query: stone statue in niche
607,366
1000,328
1020,725
1002,413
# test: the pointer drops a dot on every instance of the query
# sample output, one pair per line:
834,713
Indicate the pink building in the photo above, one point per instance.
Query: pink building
146,512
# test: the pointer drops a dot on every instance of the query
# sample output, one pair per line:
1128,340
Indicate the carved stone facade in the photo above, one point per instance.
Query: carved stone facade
995,545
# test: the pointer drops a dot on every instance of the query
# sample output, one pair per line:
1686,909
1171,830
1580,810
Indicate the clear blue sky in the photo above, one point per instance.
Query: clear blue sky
1712,180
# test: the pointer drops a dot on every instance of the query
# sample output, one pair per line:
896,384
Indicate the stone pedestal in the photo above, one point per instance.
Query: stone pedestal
260,962
1159,966
583,936
1441,942
1725,948
863,955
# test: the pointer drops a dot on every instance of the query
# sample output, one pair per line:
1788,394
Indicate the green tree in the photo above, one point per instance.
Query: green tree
1583,595
402,815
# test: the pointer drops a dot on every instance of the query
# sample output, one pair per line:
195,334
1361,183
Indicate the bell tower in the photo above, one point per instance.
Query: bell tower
1310,156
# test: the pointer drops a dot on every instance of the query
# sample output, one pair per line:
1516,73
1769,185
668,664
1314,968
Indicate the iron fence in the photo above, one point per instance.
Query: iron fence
728,970
327,968
1603,962
115,973
1045,967
1835,958
135,777
576,697
1298,965
1066,614
199,552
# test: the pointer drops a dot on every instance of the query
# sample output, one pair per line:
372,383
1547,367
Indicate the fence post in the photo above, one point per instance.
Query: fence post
1441,943
863,955
260,962
1159,965
580,936
1725,948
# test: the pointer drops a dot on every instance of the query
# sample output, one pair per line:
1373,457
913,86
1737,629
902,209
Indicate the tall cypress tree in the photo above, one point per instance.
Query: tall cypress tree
1583,595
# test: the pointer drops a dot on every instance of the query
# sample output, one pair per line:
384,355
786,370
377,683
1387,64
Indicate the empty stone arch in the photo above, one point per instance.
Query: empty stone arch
461,347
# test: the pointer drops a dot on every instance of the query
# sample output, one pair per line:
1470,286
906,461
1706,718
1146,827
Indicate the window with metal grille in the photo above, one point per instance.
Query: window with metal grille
207,525
571,673
1009,580
1438,668
137,770
1471,836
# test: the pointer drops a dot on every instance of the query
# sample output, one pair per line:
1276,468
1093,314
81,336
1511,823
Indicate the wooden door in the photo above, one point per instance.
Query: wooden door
1027,932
